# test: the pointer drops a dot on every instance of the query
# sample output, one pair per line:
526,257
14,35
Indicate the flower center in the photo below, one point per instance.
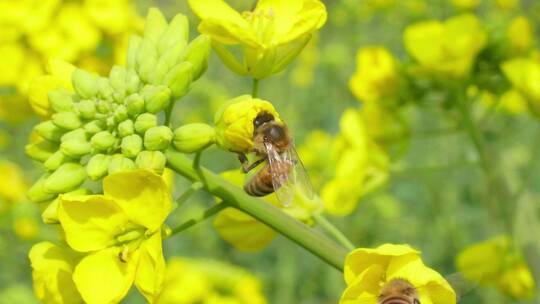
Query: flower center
262,22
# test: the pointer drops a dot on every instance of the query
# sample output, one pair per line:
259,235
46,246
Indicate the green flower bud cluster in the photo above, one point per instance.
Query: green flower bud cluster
111,124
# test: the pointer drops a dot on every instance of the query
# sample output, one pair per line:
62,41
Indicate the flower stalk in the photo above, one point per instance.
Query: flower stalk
301,234
208,213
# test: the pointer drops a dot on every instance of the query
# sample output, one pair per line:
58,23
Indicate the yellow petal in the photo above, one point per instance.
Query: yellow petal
90,222
52,268
151,268
37,94
62,71
222,22
142,194
102,277
360,259
365,288
242,231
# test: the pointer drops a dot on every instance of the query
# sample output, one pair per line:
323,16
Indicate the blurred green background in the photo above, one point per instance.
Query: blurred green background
436,192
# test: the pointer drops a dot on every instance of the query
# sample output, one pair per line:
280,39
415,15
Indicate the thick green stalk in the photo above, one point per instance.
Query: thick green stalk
255,88
301,234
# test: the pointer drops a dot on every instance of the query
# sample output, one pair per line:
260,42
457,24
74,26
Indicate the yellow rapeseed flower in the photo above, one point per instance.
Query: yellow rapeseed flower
368,270
52,270
270,36
465,4
376,75
507,4
360,166
234,122
120,232
524,75
26,228
190,281
13,186
520,34
447,48
495,262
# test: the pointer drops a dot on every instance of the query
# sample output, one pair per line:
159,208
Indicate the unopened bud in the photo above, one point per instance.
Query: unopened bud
56,160
126,128
103,106
66,120
120,113
103,140
40,150
86,108
117,78
157,138
179,78
152,160
105,91
193,137
197,53
155,25
37,193
75,148
131,145
84,83
77,134
133,49
156,98
147,61
144,122
49,130
61,100
134,104
133,82
66,178
176,34
98,166
120,163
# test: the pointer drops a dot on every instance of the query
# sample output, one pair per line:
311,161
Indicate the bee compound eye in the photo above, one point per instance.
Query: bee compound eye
416,301
262,118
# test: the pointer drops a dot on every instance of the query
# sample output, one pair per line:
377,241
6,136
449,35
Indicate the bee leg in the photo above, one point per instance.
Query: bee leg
246,167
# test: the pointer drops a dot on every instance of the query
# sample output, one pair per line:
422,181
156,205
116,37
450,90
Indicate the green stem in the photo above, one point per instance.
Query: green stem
192,222
168,113
188,193
313,241
333,231
255,88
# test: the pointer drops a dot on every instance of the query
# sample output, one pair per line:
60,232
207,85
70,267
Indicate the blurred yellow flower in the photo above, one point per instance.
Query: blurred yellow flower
449,47
367,271
507,4
524,75
316,154
520,34
52,269
511,101
246,233
361,166
270,36
120,232
303,74
234,122
26,228
376,75
191,281
13,186
495,262
465,4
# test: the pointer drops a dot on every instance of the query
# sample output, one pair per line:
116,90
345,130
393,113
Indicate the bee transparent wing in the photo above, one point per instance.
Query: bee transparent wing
280,168
289,176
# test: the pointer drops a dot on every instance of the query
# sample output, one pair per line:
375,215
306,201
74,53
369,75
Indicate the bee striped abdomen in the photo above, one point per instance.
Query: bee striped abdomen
260,184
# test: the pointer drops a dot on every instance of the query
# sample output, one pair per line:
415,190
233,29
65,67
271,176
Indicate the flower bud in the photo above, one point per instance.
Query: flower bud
151,160
105,90
133,48
86,109
94,127
66,178
103,106
66,120
155,25
103,140
56,160
125,128
61,100
179,78
133,82
197,53
134,104
84,83
131,145
37,193
144,122
41,149
157,138
49,131
75,147
117,78
147,61
193,137
77,134
167,61
176,34
98,166
120,163
156,98
120,113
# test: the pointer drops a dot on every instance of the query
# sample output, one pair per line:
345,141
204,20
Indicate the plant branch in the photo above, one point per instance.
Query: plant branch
192,222
313,241
255,88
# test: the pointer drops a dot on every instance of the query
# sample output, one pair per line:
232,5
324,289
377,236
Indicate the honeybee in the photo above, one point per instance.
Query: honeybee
283,172
398,291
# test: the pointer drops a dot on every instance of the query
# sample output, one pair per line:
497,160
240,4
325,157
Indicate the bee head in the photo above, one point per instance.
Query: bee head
262,118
